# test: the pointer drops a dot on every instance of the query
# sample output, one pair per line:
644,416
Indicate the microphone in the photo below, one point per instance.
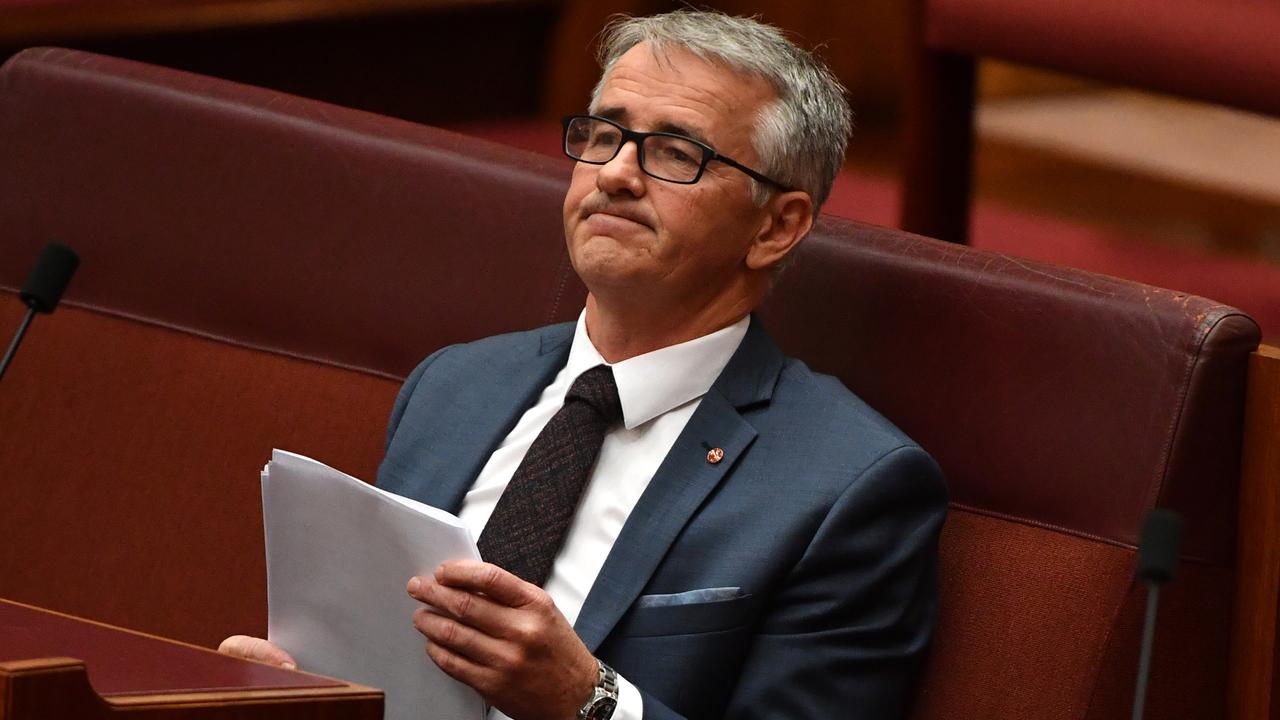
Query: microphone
43,289
1158,554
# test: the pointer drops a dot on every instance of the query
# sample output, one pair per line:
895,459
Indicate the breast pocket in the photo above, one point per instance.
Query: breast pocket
689,613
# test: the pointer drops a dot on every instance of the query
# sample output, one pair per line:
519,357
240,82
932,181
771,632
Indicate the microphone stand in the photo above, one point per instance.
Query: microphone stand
17,340
1158,554
1144,661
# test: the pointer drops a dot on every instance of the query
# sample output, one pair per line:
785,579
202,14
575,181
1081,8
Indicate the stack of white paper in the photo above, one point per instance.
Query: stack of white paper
339,552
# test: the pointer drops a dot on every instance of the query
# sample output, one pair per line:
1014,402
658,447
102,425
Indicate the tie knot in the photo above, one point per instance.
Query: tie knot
597,388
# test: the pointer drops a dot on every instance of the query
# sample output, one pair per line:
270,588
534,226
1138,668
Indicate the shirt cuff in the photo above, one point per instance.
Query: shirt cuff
630,704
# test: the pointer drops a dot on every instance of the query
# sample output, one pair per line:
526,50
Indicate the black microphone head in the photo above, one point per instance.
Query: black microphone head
1161,546
49,278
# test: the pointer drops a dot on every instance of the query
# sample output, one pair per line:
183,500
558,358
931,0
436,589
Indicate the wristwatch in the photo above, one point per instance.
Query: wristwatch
604,698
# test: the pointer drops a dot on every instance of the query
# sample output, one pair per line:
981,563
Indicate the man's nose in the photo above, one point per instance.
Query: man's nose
622,173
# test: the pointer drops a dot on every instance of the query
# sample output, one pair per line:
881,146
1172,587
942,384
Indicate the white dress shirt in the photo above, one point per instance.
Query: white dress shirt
659,392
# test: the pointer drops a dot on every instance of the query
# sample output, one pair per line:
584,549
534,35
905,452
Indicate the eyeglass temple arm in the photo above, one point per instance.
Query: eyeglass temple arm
751,173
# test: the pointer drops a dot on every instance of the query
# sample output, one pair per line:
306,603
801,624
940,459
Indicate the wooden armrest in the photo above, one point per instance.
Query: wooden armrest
1258,543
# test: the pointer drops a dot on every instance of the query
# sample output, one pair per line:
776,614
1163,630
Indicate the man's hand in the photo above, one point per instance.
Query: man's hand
505,638
252,648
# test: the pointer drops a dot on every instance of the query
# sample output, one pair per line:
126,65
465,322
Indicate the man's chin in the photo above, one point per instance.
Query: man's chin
636,241
604,261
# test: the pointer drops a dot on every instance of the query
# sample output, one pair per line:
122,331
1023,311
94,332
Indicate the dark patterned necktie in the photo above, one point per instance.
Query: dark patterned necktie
532,517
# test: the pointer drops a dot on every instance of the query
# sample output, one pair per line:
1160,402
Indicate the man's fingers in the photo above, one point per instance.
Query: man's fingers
477,611
461,639
461,668
252,648
481,577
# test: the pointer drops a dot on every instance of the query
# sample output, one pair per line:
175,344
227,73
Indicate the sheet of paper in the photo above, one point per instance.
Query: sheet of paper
339,552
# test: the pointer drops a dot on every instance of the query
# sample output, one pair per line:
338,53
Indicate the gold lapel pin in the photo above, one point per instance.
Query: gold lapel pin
715,455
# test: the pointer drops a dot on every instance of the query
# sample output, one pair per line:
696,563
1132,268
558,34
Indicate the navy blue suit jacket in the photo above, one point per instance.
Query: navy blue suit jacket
794,579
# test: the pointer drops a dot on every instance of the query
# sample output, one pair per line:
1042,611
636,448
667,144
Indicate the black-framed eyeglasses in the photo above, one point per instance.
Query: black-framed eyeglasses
665,156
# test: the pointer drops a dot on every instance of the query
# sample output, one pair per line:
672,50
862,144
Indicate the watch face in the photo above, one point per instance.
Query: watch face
603,709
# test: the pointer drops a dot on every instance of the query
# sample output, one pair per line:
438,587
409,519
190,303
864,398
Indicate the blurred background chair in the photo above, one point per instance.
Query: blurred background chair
1213,51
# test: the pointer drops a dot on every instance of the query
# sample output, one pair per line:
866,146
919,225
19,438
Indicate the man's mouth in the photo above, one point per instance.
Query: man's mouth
627,217
616,216
621,211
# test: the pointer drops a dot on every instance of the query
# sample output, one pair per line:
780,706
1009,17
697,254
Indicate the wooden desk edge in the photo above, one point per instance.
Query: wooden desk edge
139,633
35,678
72,675
234,697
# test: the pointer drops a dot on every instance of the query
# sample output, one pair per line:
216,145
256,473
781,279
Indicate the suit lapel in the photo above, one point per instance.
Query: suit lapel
683,481
487,414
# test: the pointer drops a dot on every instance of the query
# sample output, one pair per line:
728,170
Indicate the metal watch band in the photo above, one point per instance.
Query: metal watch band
604,697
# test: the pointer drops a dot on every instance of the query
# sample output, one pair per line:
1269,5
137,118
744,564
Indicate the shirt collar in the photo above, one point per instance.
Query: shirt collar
655,382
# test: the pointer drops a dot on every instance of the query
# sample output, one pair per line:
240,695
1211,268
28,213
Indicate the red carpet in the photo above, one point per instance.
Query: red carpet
1251,285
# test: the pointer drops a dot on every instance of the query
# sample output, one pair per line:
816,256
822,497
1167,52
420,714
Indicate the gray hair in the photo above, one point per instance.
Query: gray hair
801,136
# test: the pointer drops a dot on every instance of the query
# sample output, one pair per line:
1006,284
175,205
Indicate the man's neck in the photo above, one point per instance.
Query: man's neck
622,331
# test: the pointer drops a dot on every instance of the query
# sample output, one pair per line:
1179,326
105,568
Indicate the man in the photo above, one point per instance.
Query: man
752,540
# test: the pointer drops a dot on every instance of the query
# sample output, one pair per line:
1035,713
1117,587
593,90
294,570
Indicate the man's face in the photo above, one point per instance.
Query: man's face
677,246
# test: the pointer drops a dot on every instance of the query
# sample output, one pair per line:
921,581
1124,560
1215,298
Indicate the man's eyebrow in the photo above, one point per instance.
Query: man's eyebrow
619,115
616,114
675,129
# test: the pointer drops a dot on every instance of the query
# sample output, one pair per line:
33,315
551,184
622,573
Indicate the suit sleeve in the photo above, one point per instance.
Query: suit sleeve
847,632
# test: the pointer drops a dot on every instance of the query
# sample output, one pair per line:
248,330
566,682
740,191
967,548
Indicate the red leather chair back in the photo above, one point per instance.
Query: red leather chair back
1061,406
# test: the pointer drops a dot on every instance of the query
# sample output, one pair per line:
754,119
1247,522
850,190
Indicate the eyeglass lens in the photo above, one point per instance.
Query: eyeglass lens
666,157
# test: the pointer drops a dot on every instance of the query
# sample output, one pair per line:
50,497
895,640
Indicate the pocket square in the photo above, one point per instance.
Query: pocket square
689,597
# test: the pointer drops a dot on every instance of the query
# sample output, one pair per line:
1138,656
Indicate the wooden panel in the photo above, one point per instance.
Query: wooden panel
33,22
1258,554
864,43
999,79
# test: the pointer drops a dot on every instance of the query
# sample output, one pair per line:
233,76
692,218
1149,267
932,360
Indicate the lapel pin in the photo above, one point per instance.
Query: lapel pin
715,455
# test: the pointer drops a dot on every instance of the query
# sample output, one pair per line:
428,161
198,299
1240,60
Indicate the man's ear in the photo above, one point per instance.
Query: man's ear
789,218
